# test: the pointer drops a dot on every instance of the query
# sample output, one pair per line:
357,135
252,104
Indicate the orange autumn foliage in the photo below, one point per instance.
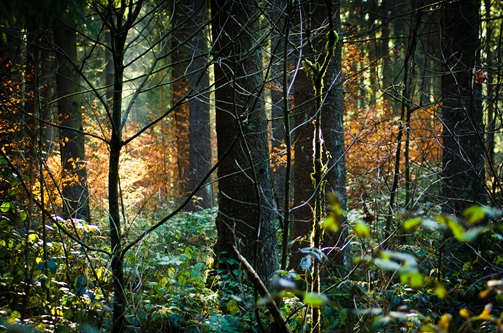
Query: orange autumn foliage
371,129
148,170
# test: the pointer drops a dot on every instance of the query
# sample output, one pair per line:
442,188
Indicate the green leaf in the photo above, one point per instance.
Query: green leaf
409,259
412,224
232,307
428,328
330,223
315,300
474,214
443,219
80,285
319,256
80,281
414,279
333,220
282,284
91,228
362,230
23,215
52,265
457,230
306,263
440,290
189,251
49,264
432,224
4,208
14,316
68,314
33,237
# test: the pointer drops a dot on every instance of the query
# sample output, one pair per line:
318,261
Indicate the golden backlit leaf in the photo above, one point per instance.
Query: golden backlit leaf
443,323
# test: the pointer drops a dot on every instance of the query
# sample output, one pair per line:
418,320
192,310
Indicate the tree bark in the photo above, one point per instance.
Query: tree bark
71,136
247,210
333,133
462,136
304,111
332,110
200,156
180,59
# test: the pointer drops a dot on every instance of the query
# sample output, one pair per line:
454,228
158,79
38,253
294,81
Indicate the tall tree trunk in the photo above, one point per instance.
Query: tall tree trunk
281,141
119,24
180,59
277,91
192,119
462,135
332,110
305,109
200,156
333,133
247,210
119,321
71,138
492,100
318,53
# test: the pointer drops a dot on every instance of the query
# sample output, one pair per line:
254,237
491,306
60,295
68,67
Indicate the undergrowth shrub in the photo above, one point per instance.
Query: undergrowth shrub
434,273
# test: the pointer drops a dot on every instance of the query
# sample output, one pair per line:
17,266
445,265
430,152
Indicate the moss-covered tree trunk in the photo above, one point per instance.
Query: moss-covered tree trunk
331,110
333,134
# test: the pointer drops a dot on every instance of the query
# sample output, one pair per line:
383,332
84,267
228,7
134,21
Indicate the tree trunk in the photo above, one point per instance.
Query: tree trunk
304,111
333,133
332,110
71,137
119,322
118,34
462,135
277,91
247,210
200,156
303,189
180,59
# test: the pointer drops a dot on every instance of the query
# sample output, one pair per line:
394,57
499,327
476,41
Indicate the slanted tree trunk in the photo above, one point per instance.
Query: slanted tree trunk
247,210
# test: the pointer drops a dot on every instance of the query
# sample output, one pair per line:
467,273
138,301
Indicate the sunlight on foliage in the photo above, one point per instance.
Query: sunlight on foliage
315,300
362,230
332,221
443,323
